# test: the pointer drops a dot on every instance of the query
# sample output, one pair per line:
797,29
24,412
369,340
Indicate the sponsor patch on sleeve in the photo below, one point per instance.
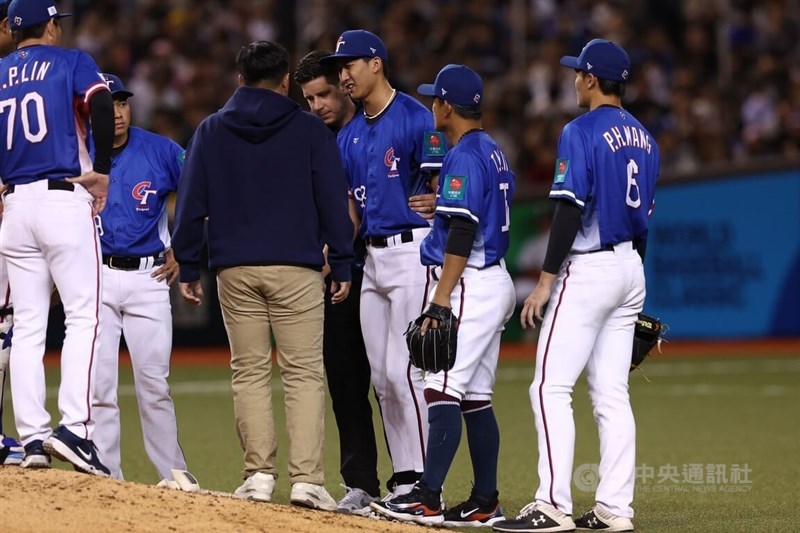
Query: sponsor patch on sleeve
455,187
562,166
434,144
182,157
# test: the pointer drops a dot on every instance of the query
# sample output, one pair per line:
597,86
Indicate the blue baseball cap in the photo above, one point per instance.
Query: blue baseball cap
604,59
26,13
353,44
457,84
116,86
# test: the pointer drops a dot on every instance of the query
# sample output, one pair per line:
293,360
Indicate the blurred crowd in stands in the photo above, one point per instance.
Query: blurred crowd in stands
714,81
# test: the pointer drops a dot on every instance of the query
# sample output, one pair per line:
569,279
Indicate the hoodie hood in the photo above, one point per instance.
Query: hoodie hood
255,115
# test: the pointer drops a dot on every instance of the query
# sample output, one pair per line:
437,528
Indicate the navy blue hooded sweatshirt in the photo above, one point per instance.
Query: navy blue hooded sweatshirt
269,178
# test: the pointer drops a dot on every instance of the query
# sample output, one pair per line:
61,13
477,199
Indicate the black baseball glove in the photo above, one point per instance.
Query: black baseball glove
436,351
646,336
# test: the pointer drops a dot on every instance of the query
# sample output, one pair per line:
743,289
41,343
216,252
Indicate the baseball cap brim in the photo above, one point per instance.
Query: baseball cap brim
570,61
336,57
121,94
426,89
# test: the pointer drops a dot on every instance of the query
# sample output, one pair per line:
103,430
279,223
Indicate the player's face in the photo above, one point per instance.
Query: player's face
582,93
6,46
357,78
325,100
122,117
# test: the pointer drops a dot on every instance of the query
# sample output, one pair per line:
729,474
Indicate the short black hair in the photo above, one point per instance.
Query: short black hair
31,32
609,87
262,61
472,112
309,68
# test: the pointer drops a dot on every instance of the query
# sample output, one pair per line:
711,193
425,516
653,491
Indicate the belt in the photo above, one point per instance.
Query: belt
383,242
133,263
604,248
52,185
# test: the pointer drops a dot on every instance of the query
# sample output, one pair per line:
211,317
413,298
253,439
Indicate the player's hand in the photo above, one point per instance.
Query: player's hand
168,271
97,185
432,323
339,291
423,204
3,189
537,300
192,292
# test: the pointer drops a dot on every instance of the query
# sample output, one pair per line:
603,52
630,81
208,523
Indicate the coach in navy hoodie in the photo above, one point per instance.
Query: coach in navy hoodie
269,179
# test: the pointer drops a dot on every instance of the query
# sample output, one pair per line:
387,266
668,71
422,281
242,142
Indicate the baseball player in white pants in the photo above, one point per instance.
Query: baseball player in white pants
137,270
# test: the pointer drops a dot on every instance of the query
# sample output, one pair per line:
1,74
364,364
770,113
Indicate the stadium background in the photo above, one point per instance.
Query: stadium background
717,83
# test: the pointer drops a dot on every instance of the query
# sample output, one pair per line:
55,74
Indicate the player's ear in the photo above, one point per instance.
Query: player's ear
240,80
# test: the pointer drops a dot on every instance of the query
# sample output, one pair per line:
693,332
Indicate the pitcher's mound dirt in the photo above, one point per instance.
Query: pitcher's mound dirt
59,500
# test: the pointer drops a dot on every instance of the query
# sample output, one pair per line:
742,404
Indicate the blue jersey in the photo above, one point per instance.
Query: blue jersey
134,222
608,165
475,183
44,114
388,160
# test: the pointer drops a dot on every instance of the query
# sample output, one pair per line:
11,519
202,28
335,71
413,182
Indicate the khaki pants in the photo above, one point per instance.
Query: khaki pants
289,301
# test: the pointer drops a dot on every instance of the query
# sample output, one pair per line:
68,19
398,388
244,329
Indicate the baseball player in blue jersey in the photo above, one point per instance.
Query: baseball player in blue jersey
390,153
11,451
464,252
593,279
47,96
138,268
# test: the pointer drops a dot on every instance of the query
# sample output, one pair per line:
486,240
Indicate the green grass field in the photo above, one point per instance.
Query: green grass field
697,414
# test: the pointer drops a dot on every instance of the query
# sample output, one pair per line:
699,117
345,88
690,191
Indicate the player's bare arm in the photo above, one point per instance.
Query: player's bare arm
354,218
192,292
169,271
537,300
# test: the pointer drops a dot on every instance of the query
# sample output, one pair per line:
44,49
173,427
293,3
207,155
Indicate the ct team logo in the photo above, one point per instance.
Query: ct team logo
391,161
142,191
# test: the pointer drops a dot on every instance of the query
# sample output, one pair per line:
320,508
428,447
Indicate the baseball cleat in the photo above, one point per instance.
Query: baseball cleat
422,505
312,496
598,519
82,453
12,452
35,456
356,502
477,511
257,488
537,517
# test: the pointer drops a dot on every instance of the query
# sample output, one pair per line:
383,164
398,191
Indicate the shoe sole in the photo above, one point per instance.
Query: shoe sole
436,520
364,511
61,451
311,504
605,529
473,523
253,497
38,463
535,530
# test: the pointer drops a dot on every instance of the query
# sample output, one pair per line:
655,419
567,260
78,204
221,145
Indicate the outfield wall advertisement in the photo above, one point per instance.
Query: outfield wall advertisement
723,257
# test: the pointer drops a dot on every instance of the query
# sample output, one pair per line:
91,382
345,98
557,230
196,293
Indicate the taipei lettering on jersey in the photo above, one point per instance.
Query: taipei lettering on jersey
42,126
386,161
134,222
606,157
476,183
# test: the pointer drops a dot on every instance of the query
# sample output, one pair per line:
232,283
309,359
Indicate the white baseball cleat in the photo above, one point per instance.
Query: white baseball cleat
537,517
598,519
257,487
356,502
312,496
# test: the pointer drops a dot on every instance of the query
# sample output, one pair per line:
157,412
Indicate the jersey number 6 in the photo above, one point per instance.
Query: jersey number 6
633,169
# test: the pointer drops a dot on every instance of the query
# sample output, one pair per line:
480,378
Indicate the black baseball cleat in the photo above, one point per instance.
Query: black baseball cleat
477,511
537,517
35,455
422,505
82,453
598,519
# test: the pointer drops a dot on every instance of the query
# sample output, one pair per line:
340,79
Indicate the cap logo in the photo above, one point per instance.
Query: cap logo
476,98
17,21
373,50
52,11
588,66
444,91
625,74
339,44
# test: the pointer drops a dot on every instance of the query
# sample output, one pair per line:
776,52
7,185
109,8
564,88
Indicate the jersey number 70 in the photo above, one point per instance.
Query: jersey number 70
11,105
